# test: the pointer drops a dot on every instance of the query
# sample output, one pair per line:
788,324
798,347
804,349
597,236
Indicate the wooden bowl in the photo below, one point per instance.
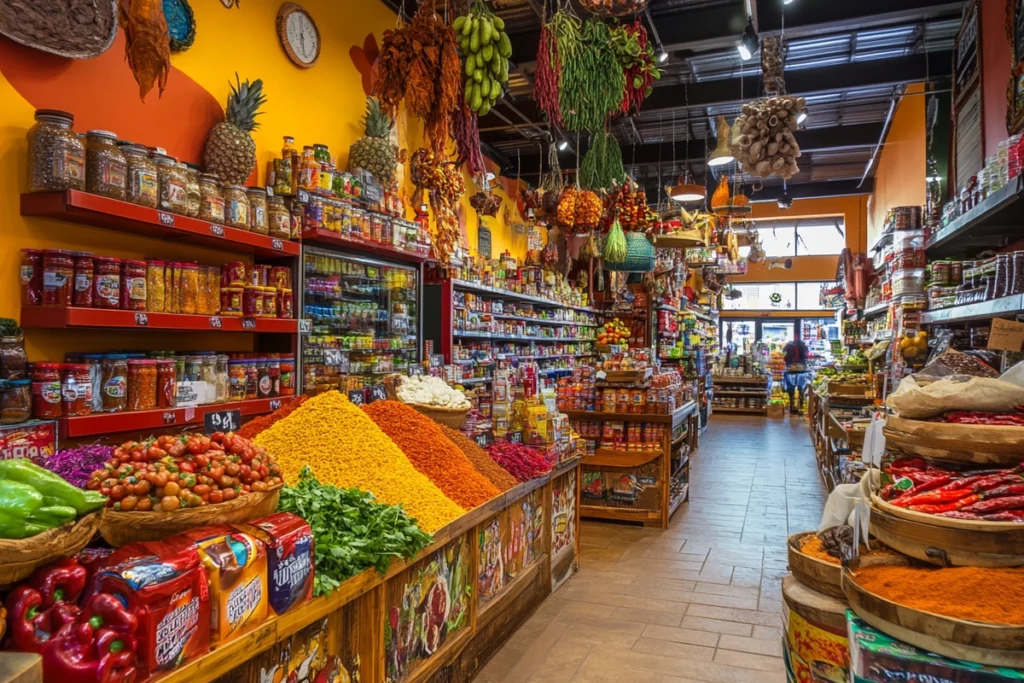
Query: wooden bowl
122,528
20,557
956,443
946,541
973,641
813,606
819,575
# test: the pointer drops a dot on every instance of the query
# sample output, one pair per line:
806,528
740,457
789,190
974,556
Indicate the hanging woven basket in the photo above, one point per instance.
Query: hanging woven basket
640,255
680,239
613,8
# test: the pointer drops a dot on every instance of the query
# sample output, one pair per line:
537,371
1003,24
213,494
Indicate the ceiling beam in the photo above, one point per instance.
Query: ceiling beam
878,73
809,18
772,193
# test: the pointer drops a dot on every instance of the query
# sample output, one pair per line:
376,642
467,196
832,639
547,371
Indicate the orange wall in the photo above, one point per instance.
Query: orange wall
900,173
853,209
995,73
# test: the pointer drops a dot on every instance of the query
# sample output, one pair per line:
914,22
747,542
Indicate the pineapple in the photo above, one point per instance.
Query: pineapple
374,152
230,150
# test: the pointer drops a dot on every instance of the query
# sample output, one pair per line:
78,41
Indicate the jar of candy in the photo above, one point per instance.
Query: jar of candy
252,302
231,301
107,281
257,197
236,207
286,307
155,285
76,390
173,196
142,186
236,380
166,384
278,218
95,363
56,156
269,302
133,285
31,277
211,201
106,168
114,371
188,291
223,379
58,278
280,277
234,274
193,195
84,290
46,390
142,384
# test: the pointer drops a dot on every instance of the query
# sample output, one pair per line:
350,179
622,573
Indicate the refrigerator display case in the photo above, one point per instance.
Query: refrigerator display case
364,316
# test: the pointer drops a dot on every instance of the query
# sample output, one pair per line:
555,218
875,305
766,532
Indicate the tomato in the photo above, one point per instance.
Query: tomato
201,489
169,503
205,441
123,457
216,473
251,477
142,488
194,446
246,488
118,492
259,486
232,469
171,489
161,479
177,451
155,453
144,504
218,437
174,476
105,491
216,497
129,503
188,467
202,460
226,481
264,471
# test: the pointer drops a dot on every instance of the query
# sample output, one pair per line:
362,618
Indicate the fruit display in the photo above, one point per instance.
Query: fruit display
614,332
374,152
191,470
914,345
230,150
485,50
34,500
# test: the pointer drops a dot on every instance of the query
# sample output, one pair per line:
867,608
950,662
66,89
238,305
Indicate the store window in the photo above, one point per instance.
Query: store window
809,296
820,240
775,296
811,237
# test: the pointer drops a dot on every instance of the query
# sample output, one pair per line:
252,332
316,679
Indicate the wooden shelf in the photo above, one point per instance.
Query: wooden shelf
607,457
1005,306
60,317
679,414
328,238
989,224
737,392
739,380
83,208
620,514
466,286
750,411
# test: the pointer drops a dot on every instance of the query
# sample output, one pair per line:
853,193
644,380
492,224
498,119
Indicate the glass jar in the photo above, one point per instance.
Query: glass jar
236,380
236,207
297,220
16,402
142,383
269,302
95,363
280,277
208,374
142,184
133,285
193,369
234,274
172,283
264,385
155,286
106,168
278,219
107,281
231,300
84,290
213,290
251,379
46,391
193,195
166,384
287,375
56,156
31,277
286,304
223,379
252,302
211,201
309,170
188,290
114,377
173,195
258,221
13,359
274,370
76,390
58,278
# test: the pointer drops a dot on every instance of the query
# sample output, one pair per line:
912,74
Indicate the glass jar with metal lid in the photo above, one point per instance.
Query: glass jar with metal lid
279,220
257,210
236,207
106,169
173,196
56,156
211,201
141,185
193,196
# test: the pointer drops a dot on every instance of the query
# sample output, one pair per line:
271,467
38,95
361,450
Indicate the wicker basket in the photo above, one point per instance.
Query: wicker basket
19,558
122,528
640,255
613,8
449,417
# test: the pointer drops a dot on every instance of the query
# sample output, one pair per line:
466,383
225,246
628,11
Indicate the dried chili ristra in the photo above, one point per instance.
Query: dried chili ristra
963,503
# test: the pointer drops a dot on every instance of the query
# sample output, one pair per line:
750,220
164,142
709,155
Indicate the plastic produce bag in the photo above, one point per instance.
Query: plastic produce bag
841,503
915,400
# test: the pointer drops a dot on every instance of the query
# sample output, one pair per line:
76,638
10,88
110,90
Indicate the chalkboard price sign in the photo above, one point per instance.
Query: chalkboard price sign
483,242
222,421
357,397
378,393
515,437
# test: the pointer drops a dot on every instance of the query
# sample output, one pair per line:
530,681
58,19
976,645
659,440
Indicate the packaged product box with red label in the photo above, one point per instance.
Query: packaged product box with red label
289,542
28,440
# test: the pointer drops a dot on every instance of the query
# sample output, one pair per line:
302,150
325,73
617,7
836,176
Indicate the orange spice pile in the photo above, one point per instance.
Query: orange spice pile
986,595
253,427
481,461
813,547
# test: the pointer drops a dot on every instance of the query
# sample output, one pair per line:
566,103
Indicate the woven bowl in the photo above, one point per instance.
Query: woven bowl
449,417
19,558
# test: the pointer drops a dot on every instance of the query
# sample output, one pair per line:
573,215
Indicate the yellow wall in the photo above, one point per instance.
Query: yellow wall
900,175
323,104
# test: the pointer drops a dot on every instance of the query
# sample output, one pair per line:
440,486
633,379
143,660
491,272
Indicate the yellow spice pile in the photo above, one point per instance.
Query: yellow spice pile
345,448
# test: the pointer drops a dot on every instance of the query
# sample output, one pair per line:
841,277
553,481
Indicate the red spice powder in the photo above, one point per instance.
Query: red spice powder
481,461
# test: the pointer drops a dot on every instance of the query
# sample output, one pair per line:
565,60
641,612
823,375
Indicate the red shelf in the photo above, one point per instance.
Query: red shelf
61,317
89,209
332,239
160,419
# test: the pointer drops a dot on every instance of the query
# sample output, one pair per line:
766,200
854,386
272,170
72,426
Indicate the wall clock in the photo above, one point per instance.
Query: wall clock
298,34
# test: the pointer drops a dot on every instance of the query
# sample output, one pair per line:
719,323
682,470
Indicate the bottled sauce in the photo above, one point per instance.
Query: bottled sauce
274,371
133,285
193,195
106,169
84,292
279,221
58,278
173,195
114,376
286,308
46,390
264,383
56,156
95,363
142,384
107,280
155,285
166,384
309,170
236,207
76,390
13,359
142,185
284,168
31,277
287,375
211,201
236,380
258,221
188,290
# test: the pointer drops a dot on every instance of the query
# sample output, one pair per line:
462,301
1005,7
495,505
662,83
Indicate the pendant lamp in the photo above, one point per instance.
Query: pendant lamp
686,190
722,154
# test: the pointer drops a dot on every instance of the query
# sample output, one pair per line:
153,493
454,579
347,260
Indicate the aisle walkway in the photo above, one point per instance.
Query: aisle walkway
699,601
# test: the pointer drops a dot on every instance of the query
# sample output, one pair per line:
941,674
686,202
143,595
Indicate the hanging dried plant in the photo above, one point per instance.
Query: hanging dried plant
466,131
147,43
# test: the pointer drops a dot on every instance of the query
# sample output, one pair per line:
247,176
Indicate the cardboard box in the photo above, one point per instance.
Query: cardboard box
776,411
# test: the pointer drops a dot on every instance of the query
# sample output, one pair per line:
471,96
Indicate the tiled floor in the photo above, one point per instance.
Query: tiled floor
699,601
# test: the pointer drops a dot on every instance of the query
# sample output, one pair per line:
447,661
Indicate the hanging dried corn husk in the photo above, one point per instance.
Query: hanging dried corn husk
589,250
766,145
772,64
551,185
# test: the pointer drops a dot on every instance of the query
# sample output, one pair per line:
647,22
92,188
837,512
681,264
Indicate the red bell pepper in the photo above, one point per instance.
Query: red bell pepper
99,646
30,624
62,581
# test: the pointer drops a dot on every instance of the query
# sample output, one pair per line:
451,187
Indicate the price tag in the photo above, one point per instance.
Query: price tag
356,397
248,324
141,319
482,440
275,404
215,322
332,357
515,437
277,244
416,370
166,218
1006,335
170,417
303,197
305,326
222,421
270,190
216,230
378,393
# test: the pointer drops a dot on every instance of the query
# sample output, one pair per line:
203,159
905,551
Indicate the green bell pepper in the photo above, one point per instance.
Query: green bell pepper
14,527
51,485
19,499
55,515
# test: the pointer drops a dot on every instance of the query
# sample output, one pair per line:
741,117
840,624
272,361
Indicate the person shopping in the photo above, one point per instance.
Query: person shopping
796,376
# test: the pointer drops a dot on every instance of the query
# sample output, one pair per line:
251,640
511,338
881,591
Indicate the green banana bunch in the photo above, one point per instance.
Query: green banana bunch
485,50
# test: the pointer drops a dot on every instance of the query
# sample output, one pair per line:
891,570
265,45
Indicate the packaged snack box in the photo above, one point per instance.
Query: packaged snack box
164,585
289,542
236,574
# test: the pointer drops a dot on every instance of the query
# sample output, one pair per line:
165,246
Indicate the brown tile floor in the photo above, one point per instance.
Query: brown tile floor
699,601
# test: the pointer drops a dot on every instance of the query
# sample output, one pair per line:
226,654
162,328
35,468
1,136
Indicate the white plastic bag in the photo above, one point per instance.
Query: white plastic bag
843,501
916,401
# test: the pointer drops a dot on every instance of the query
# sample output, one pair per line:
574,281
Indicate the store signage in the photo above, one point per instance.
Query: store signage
356,397
305,326
303,197
216,230
416,370
373,193
248,324
1006,335
332,357
483,242
141,319
215,322
166,218
222,421
29,440
378,393
514,437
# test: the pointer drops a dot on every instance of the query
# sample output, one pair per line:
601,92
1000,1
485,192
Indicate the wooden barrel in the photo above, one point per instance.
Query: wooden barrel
813,606
819,575
987,445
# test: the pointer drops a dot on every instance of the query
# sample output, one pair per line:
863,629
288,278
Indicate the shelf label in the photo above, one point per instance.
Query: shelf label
305,326
216,230
378,393
275,404
277,244
222,420
215,322
270,190
416,370
1006,335
356,397
166,218
332,357
248,324
482,440
170,417
141,319
514,437
303,197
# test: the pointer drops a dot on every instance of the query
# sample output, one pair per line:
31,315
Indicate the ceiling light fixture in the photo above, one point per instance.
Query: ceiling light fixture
563,145
662,56
686,190
722,154
787,2
801,117
748,41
